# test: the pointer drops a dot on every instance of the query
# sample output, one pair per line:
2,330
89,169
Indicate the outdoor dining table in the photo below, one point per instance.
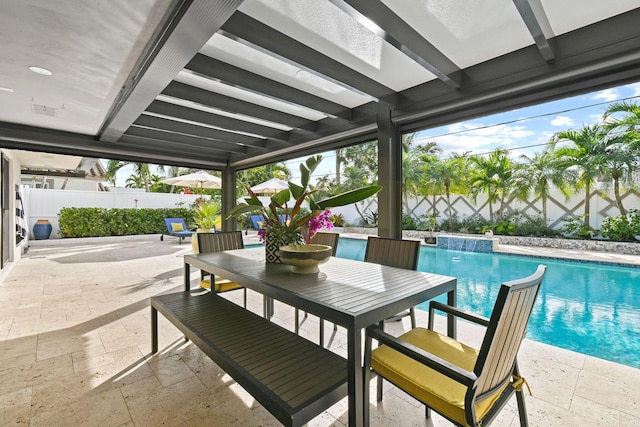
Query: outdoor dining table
352,294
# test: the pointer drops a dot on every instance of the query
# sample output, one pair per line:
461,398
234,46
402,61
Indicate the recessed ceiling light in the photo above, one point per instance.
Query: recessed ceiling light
6,89
40,70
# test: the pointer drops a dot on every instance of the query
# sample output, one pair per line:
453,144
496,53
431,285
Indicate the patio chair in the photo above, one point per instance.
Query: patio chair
176,227
394,253
329,239
218,242
469,387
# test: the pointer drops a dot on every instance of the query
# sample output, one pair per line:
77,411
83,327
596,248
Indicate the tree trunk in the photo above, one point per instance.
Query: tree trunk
448,204
616,191
544,210
587,206
433,206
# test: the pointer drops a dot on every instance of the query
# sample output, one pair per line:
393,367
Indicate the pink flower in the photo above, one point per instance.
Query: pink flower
317,222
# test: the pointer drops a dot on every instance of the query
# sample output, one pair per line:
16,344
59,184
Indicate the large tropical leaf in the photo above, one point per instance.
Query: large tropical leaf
349,197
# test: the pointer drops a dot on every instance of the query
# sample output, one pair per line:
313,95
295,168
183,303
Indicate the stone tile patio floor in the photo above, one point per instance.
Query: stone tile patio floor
75,342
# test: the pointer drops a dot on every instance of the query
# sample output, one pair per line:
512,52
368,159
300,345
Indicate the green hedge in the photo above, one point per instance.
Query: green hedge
98,222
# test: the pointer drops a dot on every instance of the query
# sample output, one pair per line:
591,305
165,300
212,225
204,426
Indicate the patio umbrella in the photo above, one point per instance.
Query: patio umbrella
274,185
200,179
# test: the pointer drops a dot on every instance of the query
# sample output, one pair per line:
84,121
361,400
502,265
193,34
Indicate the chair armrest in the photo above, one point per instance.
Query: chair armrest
434,305
434,362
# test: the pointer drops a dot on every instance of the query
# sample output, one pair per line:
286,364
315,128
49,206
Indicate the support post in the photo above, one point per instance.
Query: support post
229,197
389,175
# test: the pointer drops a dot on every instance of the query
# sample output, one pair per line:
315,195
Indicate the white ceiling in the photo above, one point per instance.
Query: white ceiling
240,83
76,41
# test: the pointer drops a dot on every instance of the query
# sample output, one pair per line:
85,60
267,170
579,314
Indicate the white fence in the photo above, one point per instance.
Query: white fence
46,204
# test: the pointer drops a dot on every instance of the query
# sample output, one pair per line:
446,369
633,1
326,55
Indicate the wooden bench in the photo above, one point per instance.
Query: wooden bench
293,378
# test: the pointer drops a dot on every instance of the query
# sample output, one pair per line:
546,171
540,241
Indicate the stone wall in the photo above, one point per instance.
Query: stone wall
631,248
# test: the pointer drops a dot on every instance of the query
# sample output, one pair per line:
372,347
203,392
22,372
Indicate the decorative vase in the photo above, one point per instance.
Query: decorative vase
271,249
304,259
42,229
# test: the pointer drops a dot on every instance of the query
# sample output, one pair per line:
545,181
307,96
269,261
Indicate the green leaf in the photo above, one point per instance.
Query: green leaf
281,197
349,197
253,202
240,209
296,190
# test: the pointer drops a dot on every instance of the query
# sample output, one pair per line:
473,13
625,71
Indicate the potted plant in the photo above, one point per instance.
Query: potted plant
431,224
204,218
284,225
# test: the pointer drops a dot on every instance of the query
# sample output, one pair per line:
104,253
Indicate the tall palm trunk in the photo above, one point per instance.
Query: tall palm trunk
338,166
587,204
616,191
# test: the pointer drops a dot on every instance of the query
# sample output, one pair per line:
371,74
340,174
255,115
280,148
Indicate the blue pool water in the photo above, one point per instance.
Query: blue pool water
585,307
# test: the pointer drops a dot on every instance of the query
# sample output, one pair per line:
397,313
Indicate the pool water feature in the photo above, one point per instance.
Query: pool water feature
589,308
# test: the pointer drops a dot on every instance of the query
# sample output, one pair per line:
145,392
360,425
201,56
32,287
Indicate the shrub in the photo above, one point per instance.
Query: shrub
99,222
575,228
408,222
623,228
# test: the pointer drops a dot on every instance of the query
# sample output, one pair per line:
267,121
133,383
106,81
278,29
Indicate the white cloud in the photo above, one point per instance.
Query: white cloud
480,138
562,121
607,95
635,87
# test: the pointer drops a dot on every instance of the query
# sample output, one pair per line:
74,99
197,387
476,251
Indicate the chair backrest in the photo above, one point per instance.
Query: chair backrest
218,242
393,252
505,332
257,221
170,228
329,239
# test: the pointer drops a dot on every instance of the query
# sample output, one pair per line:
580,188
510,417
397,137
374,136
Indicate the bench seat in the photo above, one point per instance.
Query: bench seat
294,379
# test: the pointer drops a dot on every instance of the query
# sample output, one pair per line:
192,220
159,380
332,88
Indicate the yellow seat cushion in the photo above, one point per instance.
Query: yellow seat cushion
435,390
176,226
221,285
259,223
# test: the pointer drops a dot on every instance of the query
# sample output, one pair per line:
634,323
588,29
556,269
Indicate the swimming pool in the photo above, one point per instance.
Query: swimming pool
590,308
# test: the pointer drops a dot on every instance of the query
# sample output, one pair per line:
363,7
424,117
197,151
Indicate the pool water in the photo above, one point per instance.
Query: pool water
590,308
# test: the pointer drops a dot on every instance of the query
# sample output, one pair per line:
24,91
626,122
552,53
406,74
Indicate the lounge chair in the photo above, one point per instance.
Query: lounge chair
176,227
469,387
257,221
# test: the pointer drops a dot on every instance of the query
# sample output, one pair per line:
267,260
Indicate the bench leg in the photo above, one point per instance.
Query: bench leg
154,330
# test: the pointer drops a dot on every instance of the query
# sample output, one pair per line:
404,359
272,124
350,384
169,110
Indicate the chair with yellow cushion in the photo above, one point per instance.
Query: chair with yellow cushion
176,227
394,253
218,242
469,387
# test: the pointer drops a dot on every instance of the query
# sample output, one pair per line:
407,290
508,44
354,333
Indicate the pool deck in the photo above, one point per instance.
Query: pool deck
75,341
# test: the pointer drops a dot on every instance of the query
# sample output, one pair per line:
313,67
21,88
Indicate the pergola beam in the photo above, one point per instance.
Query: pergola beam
396,31
246,29
534,17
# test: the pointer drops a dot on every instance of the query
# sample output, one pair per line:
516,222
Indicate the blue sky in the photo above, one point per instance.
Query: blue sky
524,131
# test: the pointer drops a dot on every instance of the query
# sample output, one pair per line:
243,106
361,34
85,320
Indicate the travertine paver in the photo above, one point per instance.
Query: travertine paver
75,342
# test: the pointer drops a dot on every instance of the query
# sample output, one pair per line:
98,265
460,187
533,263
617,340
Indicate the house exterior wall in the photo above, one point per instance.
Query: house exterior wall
15,249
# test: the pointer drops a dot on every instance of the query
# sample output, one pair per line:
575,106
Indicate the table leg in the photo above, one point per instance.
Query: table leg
154,330
452,329
355,378
187,276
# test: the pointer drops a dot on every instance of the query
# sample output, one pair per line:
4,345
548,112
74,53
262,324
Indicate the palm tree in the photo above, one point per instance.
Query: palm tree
452,175
584,155
619,162
141,171
539,173
492,175
623,145
629,123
